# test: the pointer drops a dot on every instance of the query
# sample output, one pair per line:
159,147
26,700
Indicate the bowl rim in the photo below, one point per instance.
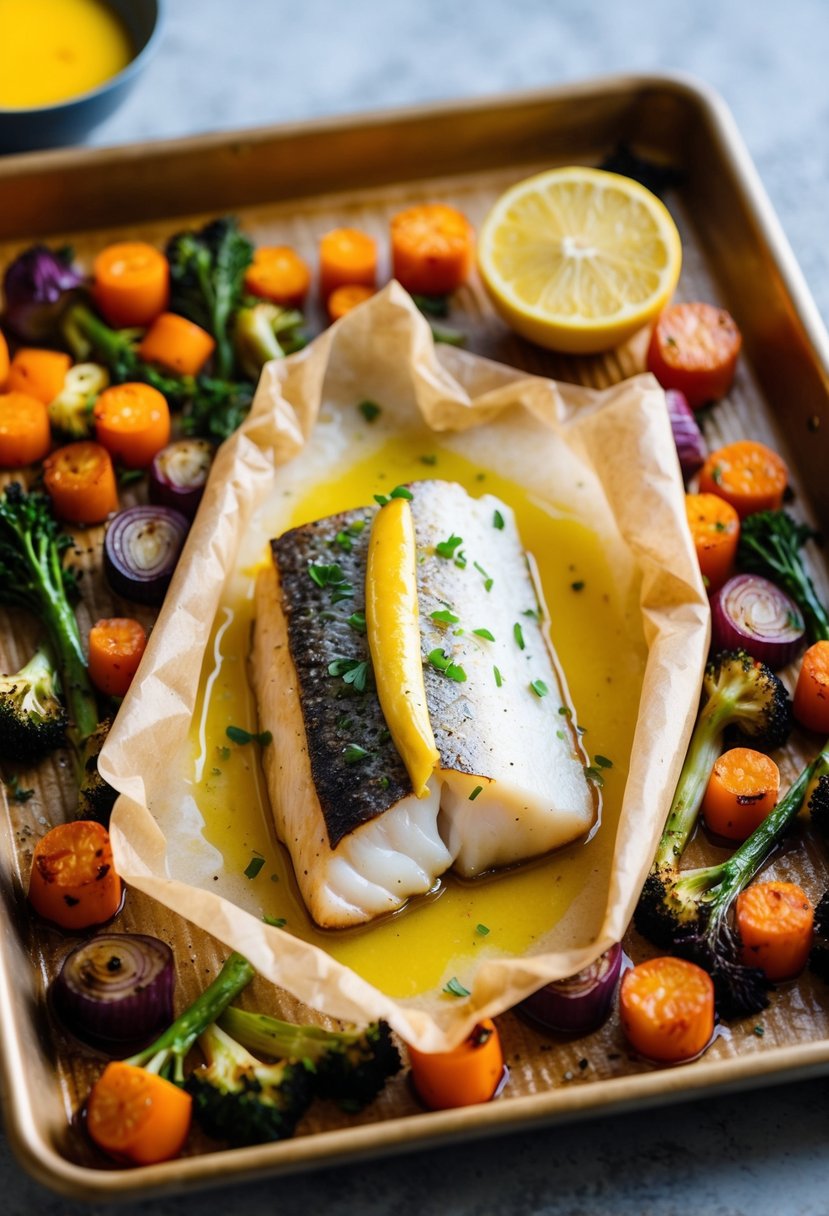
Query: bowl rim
129,70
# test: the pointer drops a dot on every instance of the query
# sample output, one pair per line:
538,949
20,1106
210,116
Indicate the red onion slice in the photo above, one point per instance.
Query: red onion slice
178,474
691,447
579,1004
141,548
750,613
116,988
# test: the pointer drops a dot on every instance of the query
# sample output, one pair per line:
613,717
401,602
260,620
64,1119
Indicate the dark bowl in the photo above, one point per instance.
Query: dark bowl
67,122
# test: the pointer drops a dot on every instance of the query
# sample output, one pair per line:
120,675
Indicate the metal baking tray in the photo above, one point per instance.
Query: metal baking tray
292,182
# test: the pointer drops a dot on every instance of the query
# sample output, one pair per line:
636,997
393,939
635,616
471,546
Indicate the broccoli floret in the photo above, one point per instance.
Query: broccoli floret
770,544
351,1066
690,910
32,716
96,797
213,408
33,577
207,270
239,1099
263,332
70,413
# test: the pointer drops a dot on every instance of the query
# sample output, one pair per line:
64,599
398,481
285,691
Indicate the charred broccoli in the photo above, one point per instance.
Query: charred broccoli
32,717
96,797
207,270
351,1066
70,413
738,692
239,1099
263,332
770,544
33,577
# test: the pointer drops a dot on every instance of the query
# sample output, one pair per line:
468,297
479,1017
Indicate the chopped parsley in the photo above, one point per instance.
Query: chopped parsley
603,762
383,500
352,671
278,922
482,929
498,521
594,774
446,548
442,663
224,753
353,753
499,679
487,580
485,634
518,634
539,688
383,782
444,617
254,866
344,540
238,734
357,621
370,410
432,306
429,459
455,988
578,585
333,578
479,789
533,613
565,711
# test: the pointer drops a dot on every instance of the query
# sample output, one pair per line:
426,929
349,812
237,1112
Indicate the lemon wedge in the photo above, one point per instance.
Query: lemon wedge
578,259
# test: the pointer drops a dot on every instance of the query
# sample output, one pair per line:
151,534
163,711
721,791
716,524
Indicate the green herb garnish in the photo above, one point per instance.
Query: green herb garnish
485,634
603,762
539,688
357,621
353,753
442,663
278,922
429,459
518,634
499,679
351,671
444,617
479,789
383,500
594,774
446,548
254,866
238,734
455,988
482,929
370,410
578,585
498,521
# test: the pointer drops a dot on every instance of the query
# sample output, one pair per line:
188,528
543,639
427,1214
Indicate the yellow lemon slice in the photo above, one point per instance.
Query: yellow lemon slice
578,259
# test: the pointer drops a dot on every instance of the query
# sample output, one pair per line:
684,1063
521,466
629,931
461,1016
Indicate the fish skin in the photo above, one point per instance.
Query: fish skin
523,754
349,794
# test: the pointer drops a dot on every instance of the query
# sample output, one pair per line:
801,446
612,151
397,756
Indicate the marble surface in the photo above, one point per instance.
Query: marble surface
224,65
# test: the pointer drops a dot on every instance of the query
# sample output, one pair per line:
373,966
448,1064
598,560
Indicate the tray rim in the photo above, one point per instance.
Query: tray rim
407,1133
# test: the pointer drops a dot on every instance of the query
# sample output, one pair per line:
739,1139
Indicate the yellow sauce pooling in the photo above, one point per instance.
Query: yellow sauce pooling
505,914
51,50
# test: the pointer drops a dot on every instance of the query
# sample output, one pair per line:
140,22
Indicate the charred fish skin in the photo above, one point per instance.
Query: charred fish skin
356,769
512,770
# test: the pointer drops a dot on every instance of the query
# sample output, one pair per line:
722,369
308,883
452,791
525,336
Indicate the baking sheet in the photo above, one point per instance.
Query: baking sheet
734,253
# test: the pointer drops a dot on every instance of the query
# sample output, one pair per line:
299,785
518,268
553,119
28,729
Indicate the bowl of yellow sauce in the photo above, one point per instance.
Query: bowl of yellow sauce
65,65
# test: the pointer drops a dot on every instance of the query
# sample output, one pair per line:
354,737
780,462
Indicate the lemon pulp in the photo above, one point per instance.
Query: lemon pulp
443,934
578,259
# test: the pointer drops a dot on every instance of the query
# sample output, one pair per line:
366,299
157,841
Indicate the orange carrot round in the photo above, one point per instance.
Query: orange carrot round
346,256
73,881
694,348
743,787
137,1116
747,474
715,531
811,694
80,480
132,421
343,299
116,645
277,273
667,1009
432,248
40,373
465,1076
775,921
4,360
177,344
24,430
132,283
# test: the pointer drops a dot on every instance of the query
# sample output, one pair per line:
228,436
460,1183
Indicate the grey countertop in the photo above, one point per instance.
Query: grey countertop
252,62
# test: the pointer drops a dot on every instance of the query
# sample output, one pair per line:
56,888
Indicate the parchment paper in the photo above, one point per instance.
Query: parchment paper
622,435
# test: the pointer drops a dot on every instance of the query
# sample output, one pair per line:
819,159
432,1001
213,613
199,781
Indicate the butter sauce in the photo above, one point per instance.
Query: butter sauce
443,934
52,50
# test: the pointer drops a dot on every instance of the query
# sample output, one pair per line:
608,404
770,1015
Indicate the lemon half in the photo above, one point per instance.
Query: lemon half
578,259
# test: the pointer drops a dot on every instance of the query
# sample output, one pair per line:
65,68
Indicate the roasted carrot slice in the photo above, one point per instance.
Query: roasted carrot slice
4,361
811,694
177,344
132,283
743,787
667,1009
137,1116
24,430
40,373
694,348
73,881
747,474
775,921
432,248
277,273
80,480
468,1075
715,531
115,649
132,421
343,299
346,256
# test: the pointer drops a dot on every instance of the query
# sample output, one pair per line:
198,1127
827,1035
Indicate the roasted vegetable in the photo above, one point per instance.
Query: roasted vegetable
32,716
770,545
37,287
